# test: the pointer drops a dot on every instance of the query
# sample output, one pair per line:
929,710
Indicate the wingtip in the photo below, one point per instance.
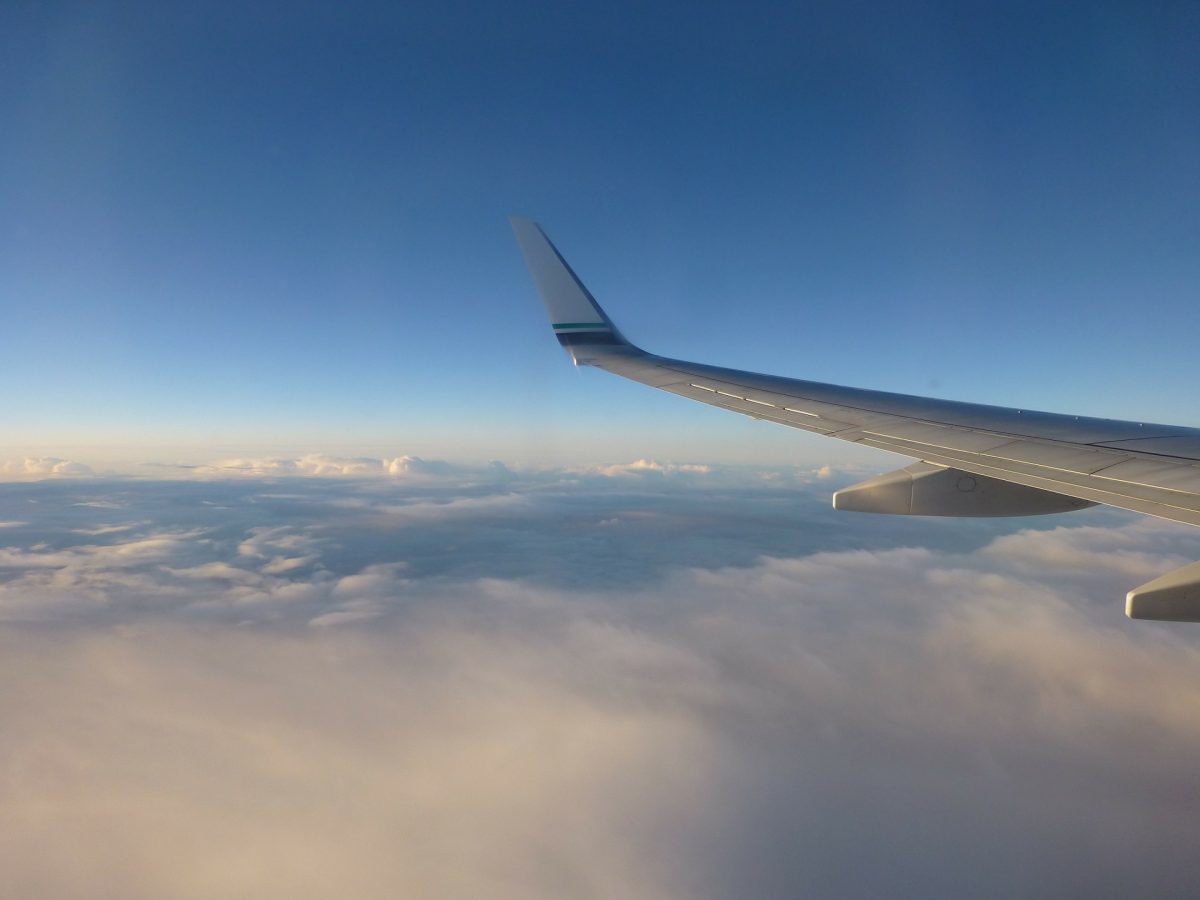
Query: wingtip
527,230
579,322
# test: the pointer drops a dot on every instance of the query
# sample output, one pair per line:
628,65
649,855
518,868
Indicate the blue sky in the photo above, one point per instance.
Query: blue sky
342,654
284,226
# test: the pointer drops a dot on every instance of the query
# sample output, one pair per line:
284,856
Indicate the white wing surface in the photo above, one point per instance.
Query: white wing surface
973,459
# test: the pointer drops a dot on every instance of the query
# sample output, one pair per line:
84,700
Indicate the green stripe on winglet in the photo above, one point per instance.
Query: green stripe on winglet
580,324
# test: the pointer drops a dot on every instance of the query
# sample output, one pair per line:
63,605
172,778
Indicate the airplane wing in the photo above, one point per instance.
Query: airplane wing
973,460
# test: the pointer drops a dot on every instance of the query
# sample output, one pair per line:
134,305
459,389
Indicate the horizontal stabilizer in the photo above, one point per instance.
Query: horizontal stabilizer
923,489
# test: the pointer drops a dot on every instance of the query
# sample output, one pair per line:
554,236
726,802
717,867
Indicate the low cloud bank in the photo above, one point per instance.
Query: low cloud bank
322,465
411,468
36,467
304,694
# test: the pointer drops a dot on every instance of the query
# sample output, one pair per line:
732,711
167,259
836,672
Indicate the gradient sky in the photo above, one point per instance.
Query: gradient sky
340,653
285,225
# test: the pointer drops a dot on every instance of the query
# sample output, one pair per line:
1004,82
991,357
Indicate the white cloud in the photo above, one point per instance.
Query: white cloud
190,765
275,542
410,469
322,465
980,720
98,530
648,467
419,511
1126,552
282,564
32,468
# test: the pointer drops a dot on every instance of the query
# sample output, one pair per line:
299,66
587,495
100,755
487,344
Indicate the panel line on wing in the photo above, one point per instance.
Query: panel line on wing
1143,503
900,434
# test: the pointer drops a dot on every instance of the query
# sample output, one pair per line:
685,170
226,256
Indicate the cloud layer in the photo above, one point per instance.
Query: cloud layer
37,467
586,685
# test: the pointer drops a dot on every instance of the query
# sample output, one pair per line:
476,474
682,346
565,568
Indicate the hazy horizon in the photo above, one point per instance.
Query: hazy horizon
324,574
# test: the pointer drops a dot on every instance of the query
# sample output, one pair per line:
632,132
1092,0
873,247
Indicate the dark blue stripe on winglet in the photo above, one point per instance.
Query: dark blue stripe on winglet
579,338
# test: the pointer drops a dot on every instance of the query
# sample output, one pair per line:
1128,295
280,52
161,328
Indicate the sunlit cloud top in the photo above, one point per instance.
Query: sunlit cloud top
608,683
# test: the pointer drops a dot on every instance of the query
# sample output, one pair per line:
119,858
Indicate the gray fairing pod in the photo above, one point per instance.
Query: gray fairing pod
924,489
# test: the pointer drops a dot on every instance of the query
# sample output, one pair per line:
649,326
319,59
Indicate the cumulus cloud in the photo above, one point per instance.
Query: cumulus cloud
413,469
34,467
585,691
648,467
322,465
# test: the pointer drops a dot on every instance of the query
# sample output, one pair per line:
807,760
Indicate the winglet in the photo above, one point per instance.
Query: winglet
581,326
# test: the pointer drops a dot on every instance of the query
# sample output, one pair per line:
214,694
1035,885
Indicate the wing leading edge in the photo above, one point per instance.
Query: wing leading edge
978,459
